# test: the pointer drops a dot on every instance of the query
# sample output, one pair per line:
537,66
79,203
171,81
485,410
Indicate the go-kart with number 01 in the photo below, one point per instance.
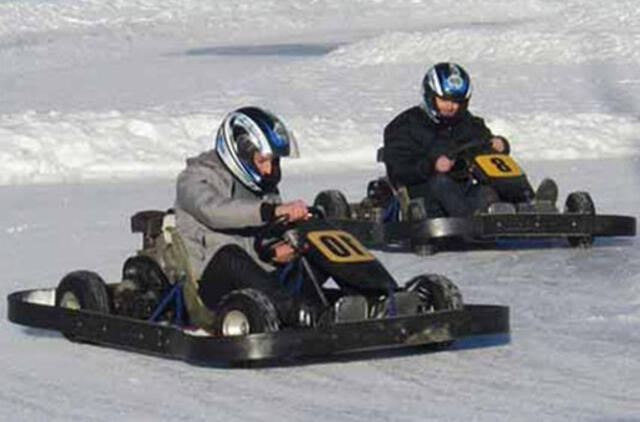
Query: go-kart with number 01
155,307
388,217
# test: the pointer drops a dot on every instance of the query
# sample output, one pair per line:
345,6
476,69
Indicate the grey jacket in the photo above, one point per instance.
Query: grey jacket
213,209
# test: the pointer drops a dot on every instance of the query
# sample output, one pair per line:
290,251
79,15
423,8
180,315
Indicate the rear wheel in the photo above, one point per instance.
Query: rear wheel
246,311
82,290
580,203
333,203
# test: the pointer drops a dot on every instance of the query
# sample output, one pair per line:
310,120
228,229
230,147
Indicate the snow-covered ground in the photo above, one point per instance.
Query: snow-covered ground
122,90
101,102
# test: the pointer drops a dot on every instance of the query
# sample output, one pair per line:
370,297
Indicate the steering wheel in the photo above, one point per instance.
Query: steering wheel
271,235
274,232
460,169
476,143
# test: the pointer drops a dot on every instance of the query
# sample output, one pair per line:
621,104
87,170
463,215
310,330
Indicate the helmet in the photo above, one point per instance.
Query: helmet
449,81
251,130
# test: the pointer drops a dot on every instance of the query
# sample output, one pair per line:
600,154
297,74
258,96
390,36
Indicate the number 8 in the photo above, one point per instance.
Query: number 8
501,165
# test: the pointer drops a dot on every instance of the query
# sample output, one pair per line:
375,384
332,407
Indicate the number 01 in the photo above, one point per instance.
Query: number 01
339,246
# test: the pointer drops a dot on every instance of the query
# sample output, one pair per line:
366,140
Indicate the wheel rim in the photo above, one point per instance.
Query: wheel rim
235,323
70,301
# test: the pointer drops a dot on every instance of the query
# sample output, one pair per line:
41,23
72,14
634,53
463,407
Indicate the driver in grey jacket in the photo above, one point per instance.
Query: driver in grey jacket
225,196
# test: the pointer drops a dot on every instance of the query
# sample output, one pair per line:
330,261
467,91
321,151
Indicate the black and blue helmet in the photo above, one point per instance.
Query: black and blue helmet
251,130
448,81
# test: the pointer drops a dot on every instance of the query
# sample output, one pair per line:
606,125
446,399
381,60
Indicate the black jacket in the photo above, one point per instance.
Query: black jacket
413,142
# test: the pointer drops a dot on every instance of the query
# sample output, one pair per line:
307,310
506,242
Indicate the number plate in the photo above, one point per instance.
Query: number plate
498,165
339,246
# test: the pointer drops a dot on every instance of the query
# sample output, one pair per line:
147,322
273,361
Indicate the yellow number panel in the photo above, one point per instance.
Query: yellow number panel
498,165
339,246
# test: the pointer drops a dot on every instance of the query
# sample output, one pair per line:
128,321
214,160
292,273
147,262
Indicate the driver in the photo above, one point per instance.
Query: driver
226,195
418,145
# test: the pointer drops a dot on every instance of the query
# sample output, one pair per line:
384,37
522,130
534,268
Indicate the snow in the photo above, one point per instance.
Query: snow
101,102
128,90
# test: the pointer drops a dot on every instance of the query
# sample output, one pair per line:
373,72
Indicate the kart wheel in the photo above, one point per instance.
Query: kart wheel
437,292
82,290
333,203
580,203
245,311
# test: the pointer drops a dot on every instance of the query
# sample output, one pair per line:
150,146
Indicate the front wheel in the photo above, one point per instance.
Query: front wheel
333,203
436,292
246,311
580,203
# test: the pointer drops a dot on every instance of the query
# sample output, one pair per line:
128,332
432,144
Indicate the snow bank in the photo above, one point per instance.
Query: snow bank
56,147
90,88
489,44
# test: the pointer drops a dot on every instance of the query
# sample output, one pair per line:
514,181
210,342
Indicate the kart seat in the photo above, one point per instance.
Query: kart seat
152,223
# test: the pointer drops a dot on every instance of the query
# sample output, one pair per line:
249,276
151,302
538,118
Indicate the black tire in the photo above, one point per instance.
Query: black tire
245,311
437,292
333,203
580,203
83,290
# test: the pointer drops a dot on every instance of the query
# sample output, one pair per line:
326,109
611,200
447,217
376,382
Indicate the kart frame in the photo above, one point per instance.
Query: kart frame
34,308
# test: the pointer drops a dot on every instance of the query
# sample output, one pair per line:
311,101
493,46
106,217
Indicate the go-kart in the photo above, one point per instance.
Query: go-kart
156,309
388,217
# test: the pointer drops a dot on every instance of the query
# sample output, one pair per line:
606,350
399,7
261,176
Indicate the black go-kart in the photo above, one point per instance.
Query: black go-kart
155,308
388,218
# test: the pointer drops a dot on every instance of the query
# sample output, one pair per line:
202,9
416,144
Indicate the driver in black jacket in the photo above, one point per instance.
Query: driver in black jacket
420,144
